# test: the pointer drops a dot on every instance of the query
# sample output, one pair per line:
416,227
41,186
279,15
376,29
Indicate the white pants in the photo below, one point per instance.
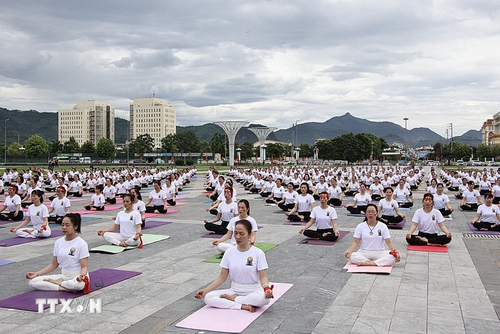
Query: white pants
34,232
69,281
116,238
224,246
248,294
381,258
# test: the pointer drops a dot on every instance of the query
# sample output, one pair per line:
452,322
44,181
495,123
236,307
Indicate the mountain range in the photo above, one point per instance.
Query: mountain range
22,124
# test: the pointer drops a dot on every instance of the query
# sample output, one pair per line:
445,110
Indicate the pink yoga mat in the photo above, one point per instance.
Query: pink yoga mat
309,241
77,200
19,241
352,268
99,279
181,203
229,321
433,249
475,230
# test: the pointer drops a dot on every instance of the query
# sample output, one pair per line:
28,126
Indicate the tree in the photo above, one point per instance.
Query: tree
306,150
34,146
274,150
71,146
14,149
219,143
484,151
142,144
188,142
246,150
106,149
87,147
55,147
204,147
169,143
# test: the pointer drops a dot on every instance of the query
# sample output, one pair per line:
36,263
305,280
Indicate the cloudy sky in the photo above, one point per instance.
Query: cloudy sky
268,62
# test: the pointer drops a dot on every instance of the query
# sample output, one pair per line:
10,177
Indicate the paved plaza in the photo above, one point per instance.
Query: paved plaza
454,292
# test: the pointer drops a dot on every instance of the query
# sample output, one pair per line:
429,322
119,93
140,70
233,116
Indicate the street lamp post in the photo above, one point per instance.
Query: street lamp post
5,141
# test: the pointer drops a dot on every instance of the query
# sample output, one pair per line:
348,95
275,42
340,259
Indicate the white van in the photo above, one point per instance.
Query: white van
84,160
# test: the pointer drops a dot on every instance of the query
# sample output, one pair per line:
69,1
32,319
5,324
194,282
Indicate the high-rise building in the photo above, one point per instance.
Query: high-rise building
88,120
152,116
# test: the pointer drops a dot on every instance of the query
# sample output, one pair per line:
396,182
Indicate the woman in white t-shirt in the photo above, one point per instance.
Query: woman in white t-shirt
496,192
169,190
38,216
71,254
402,195
129,222
60,206
376,189
389,209
139,205
12,203
75,188
304,203
488,216
442,201
246,265
226,211
471,198
361,201
243,214
158,198
97,202
325,218
427,220
335,192
276,194
109,192
372,234
288,200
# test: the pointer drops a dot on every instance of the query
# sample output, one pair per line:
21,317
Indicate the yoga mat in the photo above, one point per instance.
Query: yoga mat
449,218
405,209
111,208
398,226
269,204
18,241
77,200
5,262
229,321
181,203
475,230
433,249
212,236
352,268
356,215
208,201
89,219
183,192
150,214
263,246
260,197
309,241
295,223
113,249
155,223
180,197
99,279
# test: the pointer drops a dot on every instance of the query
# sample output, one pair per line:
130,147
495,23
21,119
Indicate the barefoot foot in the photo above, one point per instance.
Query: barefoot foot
229,297
248,308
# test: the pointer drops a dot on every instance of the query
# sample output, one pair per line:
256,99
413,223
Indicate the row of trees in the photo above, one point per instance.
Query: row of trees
457,150
351,147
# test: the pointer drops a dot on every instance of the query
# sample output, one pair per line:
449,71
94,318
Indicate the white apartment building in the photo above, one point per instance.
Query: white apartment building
153,116
88,120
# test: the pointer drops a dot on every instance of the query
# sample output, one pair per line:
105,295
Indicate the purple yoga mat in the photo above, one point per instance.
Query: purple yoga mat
475,230
101,277
19,241
5,262
151,224
398,226
323,242
295,223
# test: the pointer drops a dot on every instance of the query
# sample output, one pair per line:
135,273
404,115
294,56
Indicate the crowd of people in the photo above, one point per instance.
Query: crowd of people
379,194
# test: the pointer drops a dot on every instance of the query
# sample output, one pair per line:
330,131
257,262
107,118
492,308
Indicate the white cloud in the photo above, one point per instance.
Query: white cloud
268,62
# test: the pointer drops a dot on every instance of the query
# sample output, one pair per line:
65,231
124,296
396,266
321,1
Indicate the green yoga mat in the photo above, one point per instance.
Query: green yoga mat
265,247
113,249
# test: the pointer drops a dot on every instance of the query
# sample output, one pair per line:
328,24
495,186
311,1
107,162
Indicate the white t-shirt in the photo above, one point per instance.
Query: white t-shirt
362,200
400,194
169,192
75,186
376,189
37,214
158,197
139,206
12,202
232,223
108,192
321,187
471,196
290,197
127,222
98,200
227,211
496,190
323,217
375,241
388,207
428,222
488,214
122,188
60,205
69,253
244,267
304,202
334,192
440,201
278,192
